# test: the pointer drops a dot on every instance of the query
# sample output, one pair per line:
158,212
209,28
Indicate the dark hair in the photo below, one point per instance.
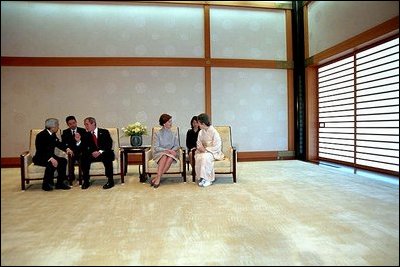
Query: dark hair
191,121
203,118
164,118
70,118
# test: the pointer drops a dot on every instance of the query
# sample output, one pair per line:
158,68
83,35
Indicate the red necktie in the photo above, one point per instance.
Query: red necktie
94,138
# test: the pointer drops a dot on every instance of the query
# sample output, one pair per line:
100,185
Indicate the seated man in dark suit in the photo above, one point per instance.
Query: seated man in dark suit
96,145
46,142
68,139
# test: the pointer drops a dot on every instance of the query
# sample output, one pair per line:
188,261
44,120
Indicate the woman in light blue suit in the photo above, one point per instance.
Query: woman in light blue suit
165,148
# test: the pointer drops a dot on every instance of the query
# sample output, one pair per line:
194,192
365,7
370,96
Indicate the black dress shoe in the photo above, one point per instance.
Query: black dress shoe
63,186
85,185
47,187
108,185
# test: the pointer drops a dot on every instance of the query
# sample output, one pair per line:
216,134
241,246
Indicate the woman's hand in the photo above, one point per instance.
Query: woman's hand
172,152
201,148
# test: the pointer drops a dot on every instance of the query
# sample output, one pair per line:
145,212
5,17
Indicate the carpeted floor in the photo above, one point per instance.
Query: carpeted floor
279,213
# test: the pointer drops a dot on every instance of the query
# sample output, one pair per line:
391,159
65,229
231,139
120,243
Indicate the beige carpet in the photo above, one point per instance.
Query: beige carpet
279,213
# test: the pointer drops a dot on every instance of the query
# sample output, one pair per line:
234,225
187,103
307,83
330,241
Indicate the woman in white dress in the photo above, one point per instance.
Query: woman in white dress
165,146
208,149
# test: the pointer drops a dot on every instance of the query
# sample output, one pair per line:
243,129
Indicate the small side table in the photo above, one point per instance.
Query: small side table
125,150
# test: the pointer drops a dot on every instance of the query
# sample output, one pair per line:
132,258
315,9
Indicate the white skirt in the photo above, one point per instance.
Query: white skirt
204,166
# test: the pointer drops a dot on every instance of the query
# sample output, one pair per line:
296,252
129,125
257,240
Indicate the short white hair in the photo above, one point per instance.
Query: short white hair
50,123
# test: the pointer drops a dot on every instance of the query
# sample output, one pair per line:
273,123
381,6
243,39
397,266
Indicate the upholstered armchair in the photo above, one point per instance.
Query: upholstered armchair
30,171
228,164
97,168
178,167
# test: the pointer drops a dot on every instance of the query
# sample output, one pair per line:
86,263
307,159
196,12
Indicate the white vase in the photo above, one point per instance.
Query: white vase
136,140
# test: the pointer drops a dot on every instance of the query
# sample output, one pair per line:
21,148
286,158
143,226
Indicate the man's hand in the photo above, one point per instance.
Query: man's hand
54,162
69,151
95,154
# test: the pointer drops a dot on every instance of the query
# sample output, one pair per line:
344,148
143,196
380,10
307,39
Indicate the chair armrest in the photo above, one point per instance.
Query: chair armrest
25,161
118,153
24,154
148,155
182,157
58,152
26,158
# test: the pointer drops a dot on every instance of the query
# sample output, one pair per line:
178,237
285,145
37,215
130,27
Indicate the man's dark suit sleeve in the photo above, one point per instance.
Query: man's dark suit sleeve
105,141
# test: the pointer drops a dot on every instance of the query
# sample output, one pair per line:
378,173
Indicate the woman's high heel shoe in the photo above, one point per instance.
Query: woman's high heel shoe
156,185
152,183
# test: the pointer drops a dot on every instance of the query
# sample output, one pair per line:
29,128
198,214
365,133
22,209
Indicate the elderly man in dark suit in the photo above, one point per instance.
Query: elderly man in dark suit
46,142
96,146
68,139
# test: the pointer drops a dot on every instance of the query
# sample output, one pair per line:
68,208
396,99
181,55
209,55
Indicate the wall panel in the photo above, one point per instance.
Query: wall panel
114,96
332,22
254,103
90,30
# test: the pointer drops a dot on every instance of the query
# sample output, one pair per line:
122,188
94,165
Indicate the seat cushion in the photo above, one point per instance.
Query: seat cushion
37,172
223,165
97,168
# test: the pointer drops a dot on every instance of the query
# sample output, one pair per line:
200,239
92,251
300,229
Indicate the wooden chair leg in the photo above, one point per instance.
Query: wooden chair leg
234,166
193,168
22,173
184,167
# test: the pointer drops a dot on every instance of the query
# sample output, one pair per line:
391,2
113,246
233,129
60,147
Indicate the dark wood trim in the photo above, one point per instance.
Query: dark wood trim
251,4
290,81
136,159
312,125
99,61
257,156
289,36
10,162
138,61
251,63
207,33
207,55
207,90
245,4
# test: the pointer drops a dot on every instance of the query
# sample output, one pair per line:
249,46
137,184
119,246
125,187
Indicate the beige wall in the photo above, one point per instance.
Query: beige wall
114,96
332,22
119,95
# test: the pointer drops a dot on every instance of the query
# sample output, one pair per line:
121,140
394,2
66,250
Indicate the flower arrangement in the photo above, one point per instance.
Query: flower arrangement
135,129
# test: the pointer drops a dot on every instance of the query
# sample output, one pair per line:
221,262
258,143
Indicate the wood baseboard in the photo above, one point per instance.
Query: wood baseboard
10,162
14,162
